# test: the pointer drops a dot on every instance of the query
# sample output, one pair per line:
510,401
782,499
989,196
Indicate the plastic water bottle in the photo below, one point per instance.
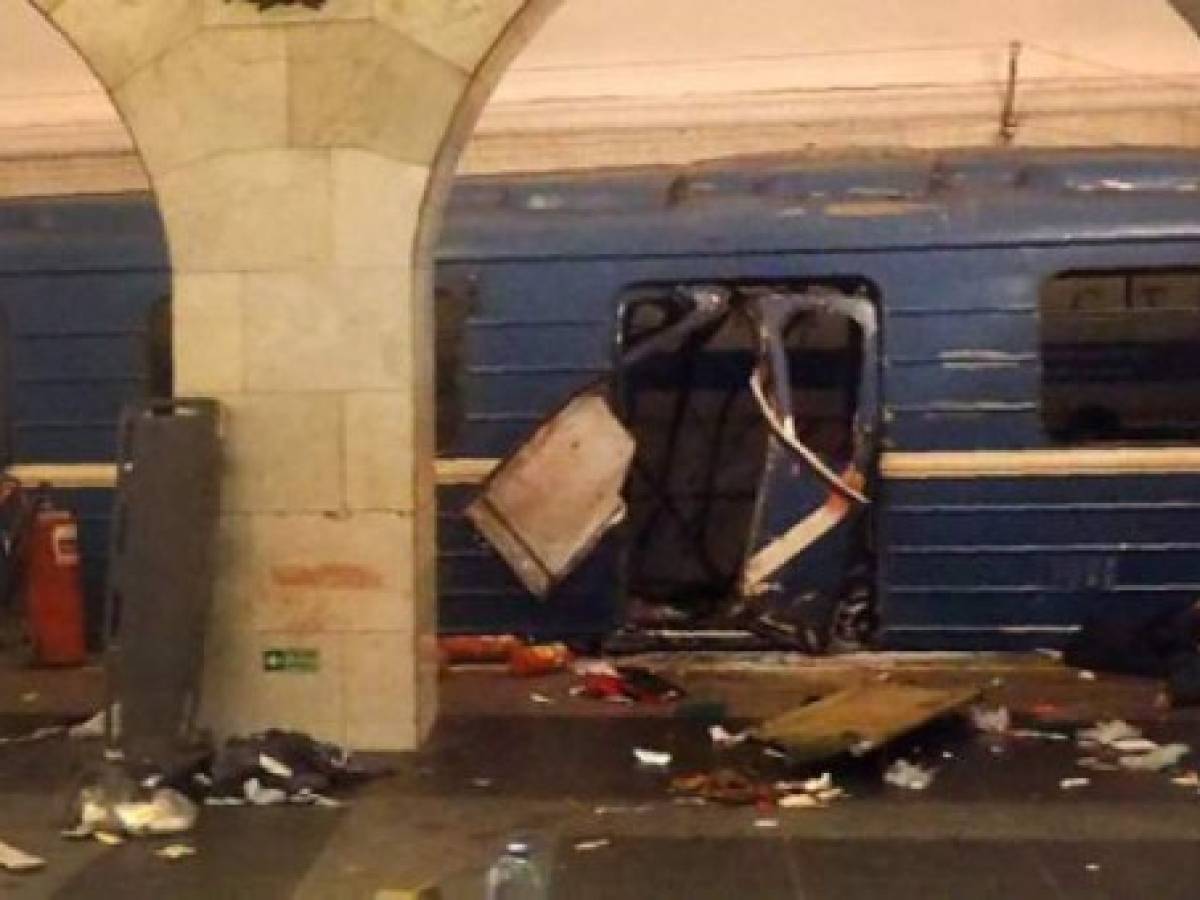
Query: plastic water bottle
515,876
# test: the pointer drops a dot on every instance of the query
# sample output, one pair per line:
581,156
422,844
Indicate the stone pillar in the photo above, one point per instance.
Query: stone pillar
290,151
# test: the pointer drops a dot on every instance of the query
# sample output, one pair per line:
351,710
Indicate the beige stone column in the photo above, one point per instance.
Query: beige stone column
290,151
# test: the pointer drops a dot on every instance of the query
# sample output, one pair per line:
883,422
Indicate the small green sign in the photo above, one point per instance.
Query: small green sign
292,659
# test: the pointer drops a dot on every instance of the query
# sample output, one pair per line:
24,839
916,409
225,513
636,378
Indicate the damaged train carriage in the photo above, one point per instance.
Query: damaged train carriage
937,402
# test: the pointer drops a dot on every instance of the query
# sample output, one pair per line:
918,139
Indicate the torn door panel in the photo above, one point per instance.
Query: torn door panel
550,503
809,532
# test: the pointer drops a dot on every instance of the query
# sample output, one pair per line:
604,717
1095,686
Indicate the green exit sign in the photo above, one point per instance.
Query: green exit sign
292,659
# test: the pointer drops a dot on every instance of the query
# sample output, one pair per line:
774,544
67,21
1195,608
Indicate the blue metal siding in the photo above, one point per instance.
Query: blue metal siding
78,279
967,563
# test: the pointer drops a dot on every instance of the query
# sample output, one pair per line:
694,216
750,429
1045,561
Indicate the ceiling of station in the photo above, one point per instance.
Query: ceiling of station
628,51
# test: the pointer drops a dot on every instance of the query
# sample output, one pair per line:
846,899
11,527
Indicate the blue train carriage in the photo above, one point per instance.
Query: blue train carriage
84,328
945,401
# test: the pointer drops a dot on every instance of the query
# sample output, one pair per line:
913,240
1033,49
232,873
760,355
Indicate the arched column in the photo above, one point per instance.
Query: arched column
299,157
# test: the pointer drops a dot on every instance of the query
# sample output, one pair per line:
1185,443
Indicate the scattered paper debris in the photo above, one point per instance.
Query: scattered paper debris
166,812
991,721
799,801
589,846
618,810
656,759
910,776
13,859
1093,867
1187,780
1096,765
1105,734
1074,784
766,823
108,838
94,727
817,785
175,852
272,766
260,795
1156,760
1134,745
30,697
541,699
1040,734
1087,675
722,737
482,783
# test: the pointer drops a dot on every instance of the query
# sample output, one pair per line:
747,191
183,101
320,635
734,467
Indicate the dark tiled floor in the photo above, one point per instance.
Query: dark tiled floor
993,825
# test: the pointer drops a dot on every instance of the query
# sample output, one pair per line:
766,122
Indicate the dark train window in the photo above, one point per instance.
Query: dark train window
1121,356
159,361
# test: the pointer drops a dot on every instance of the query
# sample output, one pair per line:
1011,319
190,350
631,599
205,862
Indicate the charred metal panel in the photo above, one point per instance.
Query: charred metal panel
551,502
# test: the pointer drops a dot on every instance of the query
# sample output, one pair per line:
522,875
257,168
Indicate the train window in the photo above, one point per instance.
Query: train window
1120,356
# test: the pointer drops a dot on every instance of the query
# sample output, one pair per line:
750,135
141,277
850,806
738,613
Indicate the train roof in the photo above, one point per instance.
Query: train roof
775,204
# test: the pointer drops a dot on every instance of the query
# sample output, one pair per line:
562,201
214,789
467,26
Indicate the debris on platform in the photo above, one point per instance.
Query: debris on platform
1074,784
540,699
652,759
624,684
476,648
909,776
722,737
166,812
726,786
996,721
591,845
175,852
1106,734
1158,759
530,660
860,719
13,859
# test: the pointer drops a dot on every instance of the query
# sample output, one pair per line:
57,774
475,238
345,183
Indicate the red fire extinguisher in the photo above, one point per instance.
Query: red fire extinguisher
54,588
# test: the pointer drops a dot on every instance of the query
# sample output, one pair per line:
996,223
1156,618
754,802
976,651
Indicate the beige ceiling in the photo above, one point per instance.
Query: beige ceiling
617,56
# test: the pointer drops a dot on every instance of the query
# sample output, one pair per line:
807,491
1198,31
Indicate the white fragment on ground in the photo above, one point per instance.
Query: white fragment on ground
1134,745
108,838
766,823
30,697
166,812
690,801
799,801
175,852
482,783
260,795
817,785
722,737
618,810
13,859
1156,760
1074,784
946,754
224,801
540,699
272,766
94,727
1087,675
1187,780
655,759
909,776
991,721
1105,734
589,846
1093,867
1040,734
775,752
